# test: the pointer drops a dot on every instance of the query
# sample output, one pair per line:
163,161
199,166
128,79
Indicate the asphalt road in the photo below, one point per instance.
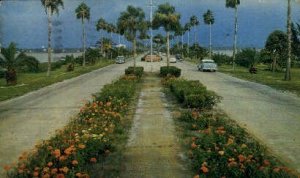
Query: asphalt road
272,116
33,117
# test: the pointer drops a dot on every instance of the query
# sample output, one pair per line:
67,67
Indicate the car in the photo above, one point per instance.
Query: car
120,60
207,65
178,57
173,59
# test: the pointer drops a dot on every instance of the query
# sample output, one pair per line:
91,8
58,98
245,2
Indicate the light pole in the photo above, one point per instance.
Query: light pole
0,36
151,32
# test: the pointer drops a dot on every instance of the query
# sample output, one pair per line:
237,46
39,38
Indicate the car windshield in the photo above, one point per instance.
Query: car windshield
120,57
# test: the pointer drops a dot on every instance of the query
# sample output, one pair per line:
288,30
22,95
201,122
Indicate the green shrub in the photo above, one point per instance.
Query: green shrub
171,70
137,71
193,94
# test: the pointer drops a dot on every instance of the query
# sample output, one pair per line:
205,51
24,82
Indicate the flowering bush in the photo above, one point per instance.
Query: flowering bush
220,148
86,140
137,71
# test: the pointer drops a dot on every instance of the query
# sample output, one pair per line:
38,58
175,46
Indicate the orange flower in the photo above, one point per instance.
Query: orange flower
74,162
64,169
93,160
108,104
50,164
241,158
266,162
276,169
20,171
69,150
56,153
78,174
63,158
7,167
230,141
35,174
81,146
46,176
204,169
60,176
54,171
193,145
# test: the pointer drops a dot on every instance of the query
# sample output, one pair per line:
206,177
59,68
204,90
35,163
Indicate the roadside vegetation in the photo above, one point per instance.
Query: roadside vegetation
216,145
30,75
96,136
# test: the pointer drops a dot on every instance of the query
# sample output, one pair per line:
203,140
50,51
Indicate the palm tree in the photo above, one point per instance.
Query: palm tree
9,60
166,16
111,28
83,12
194,23
51,7
101,25
209,20
289,33
130,23
234,4
187,28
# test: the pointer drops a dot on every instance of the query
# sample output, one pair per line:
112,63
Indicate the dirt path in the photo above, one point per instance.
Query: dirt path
272,116
35,116
153,150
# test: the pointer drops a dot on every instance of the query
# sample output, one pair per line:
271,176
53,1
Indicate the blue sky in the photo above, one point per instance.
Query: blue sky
25,22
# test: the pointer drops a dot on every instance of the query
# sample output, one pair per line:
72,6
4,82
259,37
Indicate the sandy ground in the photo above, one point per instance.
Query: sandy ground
33,117
270,115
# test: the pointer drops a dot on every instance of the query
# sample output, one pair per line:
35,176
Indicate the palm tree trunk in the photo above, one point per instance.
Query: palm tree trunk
188,45
168,49
83,42
49,41
134,52
289,33
210,46
195,35
235,35
101,41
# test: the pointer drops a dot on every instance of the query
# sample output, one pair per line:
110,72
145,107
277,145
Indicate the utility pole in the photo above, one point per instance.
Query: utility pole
151,31
0,36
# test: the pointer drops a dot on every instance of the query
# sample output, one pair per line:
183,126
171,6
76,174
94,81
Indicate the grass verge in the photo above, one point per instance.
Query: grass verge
28,82
266,77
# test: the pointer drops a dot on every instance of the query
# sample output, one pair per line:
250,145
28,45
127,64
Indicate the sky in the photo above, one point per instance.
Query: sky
25,22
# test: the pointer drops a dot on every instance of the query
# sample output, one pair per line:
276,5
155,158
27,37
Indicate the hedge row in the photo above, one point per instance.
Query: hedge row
86,140
170,70
193,94
137,71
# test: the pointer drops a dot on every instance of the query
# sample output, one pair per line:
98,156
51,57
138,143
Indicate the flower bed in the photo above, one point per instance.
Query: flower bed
86,140
170,70
217,146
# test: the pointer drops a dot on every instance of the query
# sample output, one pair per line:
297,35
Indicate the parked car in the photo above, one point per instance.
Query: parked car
173,59
207,65
120,60
178,57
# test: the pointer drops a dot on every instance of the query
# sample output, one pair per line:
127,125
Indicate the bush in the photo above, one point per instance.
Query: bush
193,94
137,71
222,59
171,70
247,57
2,73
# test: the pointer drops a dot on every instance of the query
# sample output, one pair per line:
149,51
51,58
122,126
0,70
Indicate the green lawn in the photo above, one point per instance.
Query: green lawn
263,76
28,82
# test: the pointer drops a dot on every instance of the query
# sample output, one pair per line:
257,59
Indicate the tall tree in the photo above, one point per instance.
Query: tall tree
130,23
209,20
194,23
111,28
51,7
289,34
166,16
187,28
83,13
234,4
101,25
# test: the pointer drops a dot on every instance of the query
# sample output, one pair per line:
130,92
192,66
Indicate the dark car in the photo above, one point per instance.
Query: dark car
178,57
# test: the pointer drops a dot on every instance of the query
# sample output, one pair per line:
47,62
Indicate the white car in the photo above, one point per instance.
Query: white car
173,60
120,60
207,65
